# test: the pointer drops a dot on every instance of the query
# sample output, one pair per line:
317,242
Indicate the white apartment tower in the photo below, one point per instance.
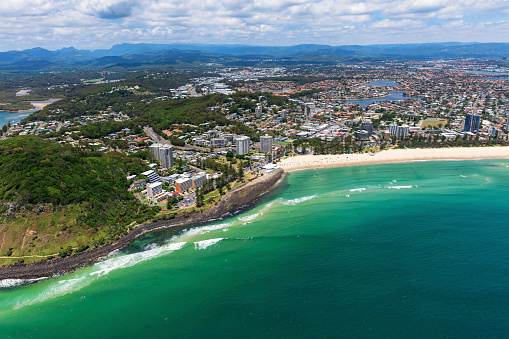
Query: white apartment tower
163,153
402,131
266,142
242,145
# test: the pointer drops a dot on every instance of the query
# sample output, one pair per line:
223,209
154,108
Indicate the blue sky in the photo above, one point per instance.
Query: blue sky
95,24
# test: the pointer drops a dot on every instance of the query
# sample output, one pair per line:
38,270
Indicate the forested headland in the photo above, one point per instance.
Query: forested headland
57,199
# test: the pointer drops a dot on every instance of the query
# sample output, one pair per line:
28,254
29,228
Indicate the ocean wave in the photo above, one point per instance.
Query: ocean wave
296,201
249,217
56,289
128,260
358,189
83,278
202,230
6,283
399,187
201,245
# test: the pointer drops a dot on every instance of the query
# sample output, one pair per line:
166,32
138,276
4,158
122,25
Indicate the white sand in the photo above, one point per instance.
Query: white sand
392,156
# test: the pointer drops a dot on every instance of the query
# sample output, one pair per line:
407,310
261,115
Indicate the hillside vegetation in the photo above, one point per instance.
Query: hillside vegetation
54,196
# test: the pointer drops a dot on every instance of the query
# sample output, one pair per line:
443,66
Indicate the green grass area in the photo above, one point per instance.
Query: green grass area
439,123
33,237
92,81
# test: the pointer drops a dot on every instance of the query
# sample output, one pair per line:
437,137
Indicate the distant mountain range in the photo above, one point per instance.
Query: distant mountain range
140,55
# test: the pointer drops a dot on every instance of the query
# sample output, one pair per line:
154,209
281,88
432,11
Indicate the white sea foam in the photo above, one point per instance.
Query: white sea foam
399,187
358,189
463,176
56,289
203,229
201,245
296,201
81,279
149,247
6,283
129,260
249,217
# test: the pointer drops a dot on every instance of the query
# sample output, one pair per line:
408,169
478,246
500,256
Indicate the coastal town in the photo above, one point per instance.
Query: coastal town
250,169
356,108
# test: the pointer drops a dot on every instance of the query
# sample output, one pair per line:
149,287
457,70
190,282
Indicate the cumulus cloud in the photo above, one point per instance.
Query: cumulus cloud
109,9
101,23
405,23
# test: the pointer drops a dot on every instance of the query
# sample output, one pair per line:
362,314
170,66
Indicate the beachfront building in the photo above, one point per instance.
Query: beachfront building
198,180
392,128
367,125
402,131
155,192
472,123
266,142
507,123
361,135
269,168
492,131
242,145
183,184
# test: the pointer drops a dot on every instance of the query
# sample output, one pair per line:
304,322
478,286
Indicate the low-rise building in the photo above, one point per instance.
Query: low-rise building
183,184
140,183
198,180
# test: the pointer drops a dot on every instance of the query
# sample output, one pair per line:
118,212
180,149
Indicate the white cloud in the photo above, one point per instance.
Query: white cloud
101,23
405,23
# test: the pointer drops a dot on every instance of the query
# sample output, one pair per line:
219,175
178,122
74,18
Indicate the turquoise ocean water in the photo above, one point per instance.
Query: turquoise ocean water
415,250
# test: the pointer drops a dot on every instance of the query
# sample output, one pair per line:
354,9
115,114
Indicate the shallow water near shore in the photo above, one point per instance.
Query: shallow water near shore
407,250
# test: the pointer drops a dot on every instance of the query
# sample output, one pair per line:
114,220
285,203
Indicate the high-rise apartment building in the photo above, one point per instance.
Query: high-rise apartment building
402,131
472,123
163,153
242,145
392,128
367,125
266,142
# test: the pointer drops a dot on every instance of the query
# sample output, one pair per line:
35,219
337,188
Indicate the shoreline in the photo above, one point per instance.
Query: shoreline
37,105
235,199
245,195
302,162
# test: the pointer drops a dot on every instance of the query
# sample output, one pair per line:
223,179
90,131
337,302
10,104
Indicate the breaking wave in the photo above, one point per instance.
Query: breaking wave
358,189
81,279
6,283
296,201
129,260
201,245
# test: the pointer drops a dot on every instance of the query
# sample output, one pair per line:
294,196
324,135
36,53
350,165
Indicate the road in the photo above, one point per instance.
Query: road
158,139
154,136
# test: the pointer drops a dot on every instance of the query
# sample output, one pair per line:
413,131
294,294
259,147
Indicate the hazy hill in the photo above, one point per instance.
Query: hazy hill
134,55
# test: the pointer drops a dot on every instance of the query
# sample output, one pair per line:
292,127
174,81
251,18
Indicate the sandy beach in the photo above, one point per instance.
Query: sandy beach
392,156
42,104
